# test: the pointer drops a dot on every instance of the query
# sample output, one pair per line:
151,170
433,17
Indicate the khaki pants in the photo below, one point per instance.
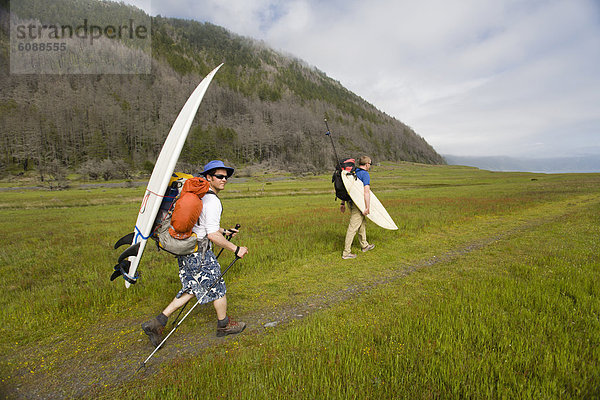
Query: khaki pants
357,224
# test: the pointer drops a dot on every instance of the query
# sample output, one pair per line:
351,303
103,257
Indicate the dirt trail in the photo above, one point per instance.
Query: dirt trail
88,373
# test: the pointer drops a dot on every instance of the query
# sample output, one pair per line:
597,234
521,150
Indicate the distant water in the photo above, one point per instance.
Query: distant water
576,164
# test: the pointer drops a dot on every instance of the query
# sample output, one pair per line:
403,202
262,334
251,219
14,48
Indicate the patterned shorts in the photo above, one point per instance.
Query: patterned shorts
197,274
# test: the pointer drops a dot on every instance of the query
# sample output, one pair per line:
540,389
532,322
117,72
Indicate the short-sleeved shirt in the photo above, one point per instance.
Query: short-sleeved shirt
363,176
210,217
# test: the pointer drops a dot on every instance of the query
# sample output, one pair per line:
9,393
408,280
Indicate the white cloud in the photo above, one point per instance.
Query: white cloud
474,77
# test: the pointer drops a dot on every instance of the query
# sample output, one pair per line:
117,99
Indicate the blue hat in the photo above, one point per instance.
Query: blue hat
216,164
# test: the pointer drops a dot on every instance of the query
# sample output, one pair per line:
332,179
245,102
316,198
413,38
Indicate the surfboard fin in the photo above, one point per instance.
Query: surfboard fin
120,268
127,239
123,269
131,251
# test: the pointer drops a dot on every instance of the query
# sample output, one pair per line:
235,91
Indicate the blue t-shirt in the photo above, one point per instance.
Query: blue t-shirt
363,176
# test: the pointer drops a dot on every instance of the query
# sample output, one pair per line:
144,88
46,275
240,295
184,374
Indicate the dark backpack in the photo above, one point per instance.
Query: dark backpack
346,164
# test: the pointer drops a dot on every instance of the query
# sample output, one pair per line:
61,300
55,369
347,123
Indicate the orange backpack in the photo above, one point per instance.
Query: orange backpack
188,207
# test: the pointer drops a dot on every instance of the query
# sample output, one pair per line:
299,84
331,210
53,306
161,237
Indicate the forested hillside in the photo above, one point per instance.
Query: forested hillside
263,107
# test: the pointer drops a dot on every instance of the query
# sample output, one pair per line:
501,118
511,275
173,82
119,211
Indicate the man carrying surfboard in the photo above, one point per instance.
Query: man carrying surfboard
357,217
198,271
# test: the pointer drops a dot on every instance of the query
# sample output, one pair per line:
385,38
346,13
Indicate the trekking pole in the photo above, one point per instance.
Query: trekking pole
188,313
228,237
328,133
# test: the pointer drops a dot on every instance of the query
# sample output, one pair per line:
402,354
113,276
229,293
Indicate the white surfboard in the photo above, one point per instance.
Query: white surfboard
159,180
377,212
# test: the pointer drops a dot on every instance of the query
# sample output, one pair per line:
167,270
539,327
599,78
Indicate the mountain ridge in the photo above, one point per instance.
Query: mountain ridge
263,107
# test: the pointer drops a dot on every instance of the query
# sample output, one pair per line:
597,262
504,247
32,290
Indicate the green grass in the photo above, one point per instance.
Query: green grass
487,290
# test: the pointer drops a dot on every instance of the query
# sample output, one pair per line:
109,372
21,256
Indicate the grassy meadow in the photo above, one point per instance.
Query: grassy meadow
489,289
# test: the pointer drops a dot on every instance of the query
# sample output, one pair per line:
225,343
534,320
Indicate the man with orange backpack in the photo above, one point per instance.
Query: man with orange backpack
199,270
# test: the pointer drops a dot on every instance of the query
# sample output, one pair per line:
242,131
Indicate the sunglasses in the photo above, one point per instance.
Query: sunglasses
221,176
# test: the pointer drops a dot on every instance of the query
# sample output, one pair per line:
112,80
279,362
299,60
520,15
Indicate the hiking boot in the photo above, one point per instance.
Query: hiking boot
154,330
231,328
349,256
368,247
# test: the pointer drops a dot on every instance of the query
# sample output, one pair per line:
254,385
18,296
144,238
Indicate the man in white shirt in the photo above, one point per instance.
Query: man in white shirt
198,271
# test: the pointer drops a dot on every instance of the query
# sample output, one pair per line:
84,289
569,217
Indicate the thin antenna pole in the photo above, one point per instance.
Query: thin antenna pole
328,133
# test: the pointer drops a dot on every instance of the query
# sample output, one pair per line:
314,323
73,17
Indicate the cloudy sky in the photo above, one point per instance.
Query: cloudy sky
473,77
